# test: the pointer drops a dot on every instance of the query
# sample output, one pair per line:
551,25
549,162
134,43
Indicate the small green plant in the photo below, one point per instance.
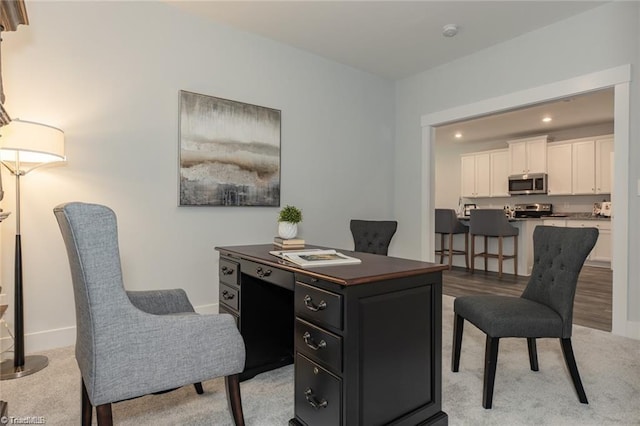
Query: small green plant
290,214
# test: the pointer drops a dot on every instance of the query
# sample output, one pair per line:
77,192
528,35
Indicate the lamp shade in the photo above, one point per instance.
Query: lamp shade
29,142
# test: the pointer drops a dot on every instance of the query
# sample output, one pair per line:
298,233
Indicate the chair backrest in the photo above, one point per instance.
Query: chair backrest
90,235
447,222
373,236
491,222
558,256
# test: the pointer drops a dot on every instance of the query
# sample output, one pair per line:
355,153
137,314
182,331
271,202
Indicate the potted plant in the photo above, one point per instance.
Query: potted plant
288,221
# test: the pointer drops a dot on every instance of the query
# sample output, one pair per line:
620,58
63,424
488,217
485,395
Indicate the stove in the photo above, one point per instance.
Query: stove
535,210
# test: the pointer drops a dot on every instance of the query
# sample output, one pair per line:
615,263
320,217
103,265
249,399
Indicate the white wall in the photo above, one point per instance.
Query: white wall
108,74
610,35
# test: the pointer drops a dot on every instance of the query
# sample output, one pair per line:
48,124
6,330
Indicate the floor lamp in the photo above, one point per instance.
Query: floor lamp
24,146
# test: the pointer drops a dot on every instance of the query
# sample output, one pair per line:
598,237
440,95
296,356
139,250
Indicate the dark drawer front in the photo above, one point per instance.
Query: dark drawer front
275,276
318,305
318,397
319,345
229,272
229,296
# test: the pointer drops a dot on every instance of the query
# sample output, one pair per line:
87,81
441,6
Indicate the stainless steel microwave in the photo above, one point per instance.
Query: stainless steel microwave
532,183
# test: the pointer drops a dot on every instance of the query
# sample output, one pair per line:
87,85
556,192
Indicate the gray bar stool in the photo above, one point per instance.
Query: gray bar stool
492,223
447,224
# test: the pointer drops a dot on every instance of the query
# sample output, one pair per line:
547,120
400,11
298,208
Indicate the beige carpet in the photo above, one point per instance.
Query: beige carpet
609,365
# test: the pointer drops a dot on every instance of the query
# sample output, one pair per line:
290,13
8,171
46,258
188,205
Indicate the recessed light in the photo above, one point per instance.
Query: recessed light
458,135
546,120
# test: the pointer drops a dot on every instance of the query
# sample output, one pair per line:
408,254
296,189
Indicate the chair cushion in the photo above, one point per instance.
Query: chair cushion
504,316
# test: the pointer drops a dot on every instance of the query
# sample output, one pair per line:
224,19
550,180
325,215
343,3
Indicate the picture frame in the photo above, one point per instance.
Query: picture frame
229,152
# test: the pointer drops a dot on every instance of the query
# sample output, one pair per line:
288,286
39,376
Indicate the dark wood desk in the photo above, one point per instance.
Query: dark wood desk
366,339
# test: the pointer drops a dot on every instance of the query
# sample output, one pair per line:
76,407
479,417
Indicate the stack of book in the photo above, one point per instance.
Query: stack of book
291,243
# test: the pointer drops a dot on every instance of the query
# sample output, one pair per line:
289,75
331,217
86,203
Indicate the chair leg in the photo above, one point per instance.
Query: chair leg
500,258
466,249
458,328
486,250
441,247
103,413
533,353
450,251
515,255
472,254
87,409
490,361
232,384
567,351
198,387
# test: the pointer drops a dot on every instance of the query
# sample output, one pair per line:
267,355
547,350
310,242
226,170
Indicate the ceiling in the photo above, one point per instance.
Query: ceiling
582,110
393,39
397,39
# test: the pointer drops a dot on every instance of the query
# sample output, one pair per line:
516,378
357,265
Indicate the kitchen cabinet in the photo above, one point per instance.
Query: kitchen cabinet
603,163
601,254
499,160
583,167
476,175
559,159
528,155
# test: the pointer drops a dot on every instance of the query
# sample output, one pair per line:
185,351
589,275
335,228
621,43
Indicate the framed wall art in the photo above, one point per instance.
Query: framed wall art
229,152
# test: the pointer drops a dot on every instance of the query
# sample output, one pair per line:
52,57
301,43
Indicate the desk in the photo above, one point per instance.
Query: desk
366,339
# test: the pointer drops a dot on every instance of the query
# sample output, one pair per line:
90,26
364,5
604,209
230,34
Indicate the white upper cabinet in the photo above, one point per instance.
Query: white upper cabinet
500,173
476,175
580,166
604,169
559,159
528,155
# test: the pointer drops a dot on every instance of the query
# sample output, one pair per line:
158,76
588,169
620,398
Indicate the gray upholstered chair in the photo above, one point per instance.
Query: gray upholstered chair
545,308
130,344
448,225
492,223
372,236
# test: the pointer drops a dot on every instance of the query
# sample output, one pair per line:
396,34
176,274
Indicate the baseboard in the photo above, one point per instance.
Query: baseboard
62,337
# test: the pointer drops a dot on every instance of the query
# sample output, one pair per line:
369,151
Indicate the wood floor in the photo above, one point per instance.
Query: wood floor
592,305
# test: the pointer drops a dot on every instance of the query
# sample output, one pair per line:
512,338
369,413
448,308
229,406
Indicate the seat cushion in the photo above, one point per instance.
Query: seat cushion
504,316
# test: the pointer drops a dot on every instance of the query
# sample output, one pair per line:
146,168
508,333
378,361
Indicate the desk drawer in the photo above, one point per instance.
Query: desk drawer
229,272
275,276
229,296
318,305
318,399
319,345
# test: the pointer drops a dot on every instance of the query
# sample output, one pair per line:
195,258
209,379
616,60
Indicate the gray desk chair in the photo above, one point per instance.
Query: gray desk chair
130,344
492,223
545,308
448,225
373,236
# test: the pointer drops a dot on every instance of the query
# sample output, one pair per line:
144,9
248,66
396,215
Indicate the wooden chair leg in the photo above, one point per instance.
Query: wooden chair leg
466,249
472,253
567,351
490,361
87,409
198,387
450,251
486,250
458,328
232,384
533,353
441,247
103,414
515,255
500,258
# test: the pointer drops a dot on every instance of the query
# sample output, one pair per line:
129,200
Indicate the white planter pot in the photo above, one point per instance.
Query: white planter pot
287,230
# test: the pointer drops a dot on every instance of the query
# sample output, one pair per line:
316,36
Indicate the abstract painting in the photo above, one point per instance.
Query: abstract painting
229,152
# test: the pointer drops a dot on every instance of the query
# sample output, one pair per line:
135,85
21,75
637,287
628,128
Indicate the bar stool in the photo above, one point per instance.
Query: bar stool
447,224
492,223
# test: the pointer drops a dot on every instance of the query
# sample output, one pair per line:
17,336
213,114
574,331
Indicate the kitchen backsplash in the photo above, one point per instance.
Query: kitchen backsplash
561,204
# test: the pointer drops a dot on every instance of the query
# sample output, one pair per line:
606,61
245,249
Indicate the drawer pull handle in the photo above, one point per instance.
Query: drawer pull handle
262,273
226,271
311,399
308,302
309,341
227,296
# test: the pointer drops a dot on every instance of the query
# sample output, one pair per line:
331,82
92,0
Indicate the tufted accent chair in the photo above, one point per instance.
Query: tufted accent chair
545,308
373,236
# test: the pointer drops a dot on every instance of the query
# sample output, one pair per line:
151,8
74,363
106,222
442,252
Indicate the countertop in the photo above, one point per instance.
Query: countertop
557,216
